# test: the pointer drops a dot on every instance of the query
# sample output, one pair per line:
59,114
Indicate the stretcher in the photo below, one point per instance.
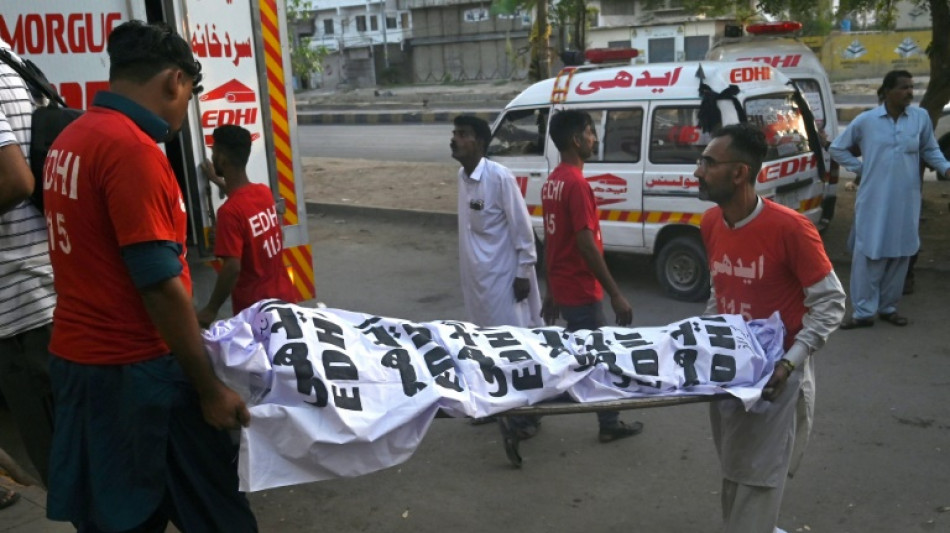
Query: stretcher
512,440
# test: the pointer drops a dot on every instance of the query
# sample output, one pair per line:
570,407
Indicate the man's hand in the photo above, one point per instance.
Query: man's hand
622,309
522,289
550,312
776,383
208,167
205,317
223,408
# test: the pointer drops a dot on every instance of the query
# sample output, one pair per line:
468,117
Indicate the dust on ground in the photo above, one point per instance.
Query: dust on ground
433,187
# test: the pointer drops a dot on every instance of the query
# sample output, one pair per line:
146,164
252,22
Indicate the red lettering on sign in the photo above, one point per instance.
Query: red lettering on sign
787,168
59,33
220,117
749,74
80,95
779,62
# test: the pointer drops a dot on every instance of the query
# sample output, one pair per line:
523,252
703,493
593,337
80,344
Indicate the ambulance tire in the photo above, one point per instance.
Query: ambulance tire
682,270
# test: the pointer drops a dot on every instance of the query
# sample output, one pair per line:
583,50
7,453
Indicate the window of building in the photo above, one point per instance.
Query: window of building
619,44
617,7
661,50
360,22
328,26
696,47
373,23
390,23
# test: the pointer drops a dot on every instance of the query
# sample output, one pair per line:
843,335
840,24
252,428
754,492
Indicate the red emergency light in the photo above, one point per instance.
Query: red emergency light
605,55
780,27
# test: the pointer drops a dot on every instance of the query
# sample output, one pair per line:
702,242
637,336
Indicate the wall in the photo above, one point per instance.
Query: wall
870,55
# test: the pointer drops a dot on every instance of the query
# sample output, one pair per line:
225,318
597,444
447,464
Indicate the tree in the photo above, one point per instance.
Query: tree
305,59
938,89
539,38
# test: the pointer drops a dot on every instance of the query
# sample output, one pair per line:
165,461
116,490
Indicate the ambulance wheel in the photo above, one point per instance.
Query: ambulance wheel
682,270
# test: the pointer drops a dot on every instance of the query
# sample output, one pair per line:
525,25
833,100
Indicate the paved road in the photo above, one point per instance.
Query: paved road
406,142
877,462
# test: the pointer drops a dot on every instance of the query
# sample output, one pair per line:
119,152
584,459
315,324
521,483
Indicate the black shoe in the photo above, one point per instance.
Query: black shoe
908,286
620,430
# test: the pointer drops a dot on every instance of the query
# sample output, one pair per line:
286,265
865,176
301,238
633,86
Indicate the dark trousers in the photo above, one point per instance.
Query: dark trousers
590,316
24,381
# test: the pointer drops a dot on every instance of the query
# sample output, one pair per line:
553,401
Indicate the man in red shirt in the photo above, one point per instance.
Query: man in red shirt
573,257
138,437
763,258
249,238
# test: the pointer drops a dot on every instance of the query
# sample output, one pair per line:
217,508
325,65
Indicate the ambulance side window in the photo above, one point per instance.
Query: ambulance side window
521,132
675,136
781,121
623,134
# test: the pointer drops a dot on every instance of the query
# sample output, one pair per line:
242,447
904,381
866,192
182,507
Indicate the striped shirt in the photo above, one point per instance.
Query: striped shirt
26,277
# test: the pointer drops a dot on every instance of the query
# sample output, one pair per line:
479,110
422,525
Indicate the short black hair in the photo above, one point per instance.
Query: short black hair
748,144
234,142
565,125
479,126
890,80
138,51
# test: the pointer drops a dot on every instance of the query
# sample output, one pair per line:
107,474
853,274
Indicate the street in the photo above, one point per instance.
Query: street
408,142
877,461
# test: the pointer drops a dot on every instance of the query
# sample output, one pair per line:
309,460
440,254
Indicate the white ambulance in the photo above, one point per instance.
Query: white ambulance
651,133
245,57
775,43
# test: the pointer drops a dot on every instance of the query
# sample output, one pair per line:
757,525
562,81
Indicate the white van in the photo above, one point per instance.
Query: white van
648,120
774,43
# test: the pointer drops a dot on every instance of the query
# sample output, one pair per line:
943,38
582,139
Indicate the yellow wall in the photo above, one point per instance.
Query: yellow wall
871,55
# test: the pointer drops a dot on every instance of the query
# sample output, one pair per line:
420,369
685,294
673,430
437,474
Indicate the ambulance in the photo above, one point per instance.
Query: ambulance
774,43
243,47
653,122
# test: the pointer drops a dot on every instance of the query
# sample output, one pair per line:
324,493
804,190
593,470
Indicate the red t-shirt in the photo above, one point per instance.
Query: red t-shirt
111,186
248,229
569,207
765,265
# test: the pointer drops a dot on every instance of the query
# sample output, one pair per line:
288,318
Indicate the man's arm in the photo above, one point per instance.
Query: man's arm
227,279
169,306
595,261
825,302
520,233
843,148
16,179
930,151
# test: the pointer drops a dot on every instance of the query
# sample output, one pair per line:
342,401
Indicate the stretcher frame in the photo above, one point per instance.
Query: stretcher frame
559,407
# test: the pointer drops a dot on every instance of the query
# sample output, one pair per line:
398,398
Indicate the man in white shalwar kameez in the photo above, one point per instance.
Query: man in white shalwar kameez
496,242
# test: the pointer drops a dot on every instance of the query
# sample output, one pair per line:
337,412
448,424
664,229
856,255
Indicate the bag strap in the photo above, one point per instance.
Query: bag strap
33,76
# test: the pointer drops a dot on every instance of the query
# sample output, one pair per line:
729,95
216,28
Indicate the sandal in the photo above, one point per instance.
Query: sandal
7,497
895,319
856,323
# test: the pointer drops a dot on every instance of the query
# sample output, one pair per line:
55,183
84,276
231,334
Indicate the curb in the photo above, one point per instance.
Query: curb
384,214
400,117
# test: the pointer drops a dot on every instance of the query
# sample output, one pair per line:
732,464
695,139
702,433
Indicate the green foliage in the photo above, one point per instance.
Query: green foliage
305,59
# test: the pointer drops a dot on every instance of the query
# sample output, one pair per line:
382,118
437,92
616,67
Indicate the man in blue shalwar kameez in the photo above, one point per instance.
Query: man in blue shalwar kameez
892,139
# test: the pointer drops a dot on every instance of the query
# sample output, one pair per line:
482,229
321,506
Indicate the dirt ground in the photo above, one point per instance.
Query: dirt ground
432,187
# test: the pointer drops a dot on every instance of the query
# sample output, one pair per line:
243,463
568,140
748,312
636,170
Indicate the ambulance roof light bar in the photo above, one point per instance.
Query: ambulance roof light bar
780,27
597,56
